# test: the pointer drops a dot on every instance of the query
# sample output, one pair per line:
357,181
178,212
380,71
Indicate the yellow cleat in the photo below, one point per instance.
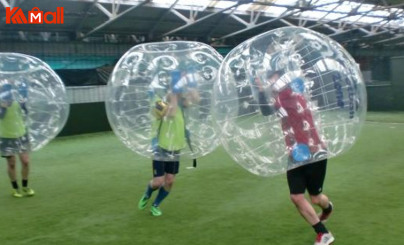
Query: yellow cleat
16,193
28,191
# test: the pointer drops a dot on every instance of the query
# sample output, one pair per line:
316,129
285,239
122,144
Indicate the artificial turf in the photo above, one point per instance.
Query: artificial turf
88,187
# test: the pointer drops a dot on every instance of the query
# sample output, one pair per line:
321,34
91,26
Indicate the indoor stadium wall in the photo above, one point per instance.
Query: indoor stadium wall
85,67
397,80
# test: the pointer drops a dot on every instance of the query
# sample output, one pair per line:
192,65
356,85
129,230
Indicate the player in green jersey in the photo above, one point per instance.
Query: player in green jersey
14,139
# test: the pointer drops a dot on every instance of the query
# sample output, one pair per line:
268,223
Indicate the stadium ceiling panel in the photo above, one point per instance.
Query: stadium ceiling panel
355,23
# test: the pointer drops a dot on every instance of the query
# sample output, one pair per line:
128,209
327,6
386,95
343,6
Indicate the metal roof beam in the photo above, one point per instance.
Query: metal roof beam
351,28
240,20
305,7
354,11
346,31
370,39
395,39
373,32
181,16
104,10
362,28
253,19
331,28
302,21
166,12
12,4
399,44
250,27
386,21
4,3
286,13
113,19
204,18
209,34
82,21
377,33
313,7
330,21
362,15
286,22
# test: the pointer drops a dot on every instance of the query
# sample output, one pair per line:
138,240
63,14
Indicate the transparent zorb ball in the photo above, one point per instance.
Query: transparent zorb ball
288,97
33,100
159,99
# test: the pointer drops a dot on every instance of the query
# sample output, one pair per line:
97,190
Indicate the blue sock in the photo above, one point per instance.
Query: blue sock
160,196
149,191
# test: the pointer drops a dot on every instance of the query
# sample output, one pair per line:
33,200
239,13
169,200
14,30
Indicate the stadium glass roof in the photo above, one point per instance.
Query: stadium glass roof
359,23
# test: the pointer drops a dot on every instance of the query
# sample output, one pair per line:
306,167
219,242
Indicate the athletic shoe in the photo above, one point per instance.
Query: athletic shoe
16,193
324,239
155,211
28,191
143,202
324,216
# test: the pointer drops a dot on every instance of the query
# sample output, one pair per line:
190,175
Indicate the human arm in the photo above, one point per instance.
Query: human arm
3,108
265,108
2,112
24,108
191,97
172,100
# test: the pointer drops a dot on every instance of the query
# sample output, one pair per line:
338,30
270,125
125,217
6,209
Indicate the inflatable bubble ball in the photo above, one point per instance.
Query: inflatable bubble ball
160,96
288,97
33,103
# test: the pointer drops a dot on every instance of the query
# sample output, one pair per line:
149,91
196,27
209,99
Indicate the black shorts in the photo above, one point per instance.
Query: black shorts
162,167
310,177
14,146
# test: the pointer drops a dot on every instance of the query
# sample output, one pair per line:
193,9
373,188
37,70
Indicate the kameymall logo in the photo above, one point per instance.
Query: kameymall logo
35,16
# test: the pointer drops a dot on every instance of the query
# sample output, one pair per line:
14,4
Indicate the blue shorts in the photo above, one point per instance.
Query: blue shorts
162,167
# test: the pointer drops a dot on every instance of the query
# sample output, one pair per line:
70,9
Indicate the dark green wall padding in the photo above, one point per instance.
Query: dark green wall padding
86,118
380,98
92,117
397,80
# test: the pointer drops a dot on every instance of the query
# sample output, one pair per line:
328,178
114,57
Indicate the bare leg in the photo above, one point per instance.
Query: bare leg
169,181
24,158
157,182
305,208
12,173
320,200
163,191
11,168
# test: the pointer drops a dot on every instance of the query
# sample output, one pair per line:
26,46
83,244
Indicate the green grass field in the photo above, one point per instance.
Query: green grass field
88,187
